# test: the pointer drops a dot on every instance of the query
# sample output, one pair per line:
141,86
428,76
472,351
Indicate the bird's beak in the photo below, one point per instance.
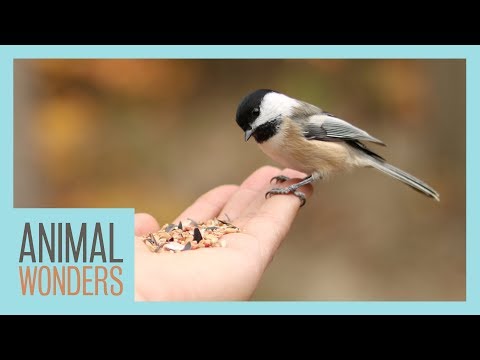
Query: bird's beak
248,134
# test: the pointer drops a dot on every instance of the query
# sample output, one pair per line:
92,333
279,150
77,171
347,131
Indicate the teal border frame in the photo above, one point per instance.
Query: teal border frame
12,220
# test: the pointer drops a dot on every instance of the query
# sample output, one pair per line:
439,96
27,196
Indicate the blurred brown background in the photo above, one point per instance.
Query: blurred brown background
155,134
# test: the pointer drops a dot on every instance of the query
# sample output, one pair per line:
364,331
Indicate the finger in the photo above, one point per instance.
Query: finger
250,190
209,204
145,223
274,218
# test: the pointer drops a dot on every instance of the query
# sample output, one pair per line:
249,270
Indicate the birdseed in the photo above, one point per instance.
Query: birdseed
176,238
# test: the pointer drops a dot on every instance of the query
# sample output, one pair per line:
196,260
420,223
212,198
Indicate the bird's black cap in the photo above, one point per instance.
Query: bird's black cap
245,111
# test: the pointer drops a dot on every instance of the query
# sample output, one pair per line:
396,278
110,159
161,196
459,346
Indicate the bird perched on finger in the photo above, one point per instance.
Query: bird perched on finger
303,137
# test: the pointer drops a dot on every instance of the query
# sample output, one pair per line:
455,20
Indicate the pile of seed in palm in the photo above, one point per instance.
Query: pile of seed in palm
179,237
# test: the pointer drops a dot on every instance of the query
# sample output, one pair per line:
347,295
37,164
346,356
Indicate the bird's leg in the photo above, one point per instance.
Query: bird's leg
279,179
292,189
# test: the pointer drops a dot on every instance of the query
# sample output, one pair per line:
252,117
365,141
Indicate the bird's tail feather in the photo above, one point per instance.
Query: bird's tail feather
404,177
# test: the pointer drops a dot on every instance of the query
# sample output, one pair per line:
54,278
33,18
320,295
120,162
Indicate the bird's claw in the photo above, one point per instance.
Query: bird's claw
301,197
279,179
286,191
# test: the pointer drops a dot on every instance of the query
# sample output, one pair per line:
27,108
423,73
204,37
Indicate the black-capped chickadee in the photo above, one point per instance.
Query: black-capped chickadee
303,137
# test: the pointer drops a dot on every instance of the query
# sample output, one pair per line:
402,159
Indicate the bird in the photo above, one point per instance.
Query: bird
303,137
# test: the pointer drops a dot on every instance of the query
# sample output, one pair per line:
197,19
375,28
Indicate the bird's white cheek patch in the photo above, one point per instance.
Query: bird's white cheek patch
274,105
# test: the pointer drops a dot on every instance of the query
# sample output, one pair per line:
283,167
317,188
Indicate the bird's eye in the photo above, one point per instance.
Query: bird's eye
256,111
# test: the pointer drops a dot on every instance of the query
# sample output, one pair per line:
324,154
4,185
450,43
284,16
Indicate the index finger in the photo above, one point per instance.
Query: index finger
273,219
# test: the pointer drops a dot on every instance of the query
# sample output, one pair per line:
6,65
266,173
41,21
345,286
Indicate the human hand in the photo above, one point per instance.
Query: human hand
221,273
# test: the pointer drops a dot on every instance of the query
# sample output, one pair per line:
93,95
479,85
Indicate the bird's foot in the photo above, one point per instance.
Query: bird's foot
279,179
287,190
292,189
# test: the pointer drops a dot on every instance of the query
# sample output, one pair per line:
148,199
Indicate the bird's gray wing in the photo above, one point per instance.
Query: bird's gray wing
326,127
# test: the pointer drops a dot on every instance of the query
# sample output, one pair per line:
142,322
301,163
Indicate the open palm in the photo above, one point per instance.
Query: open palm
229,273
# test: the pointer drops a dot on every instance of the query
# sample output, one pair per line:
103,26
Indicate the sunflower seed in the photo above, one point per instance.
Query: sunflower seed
197,236
193,222
170,227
